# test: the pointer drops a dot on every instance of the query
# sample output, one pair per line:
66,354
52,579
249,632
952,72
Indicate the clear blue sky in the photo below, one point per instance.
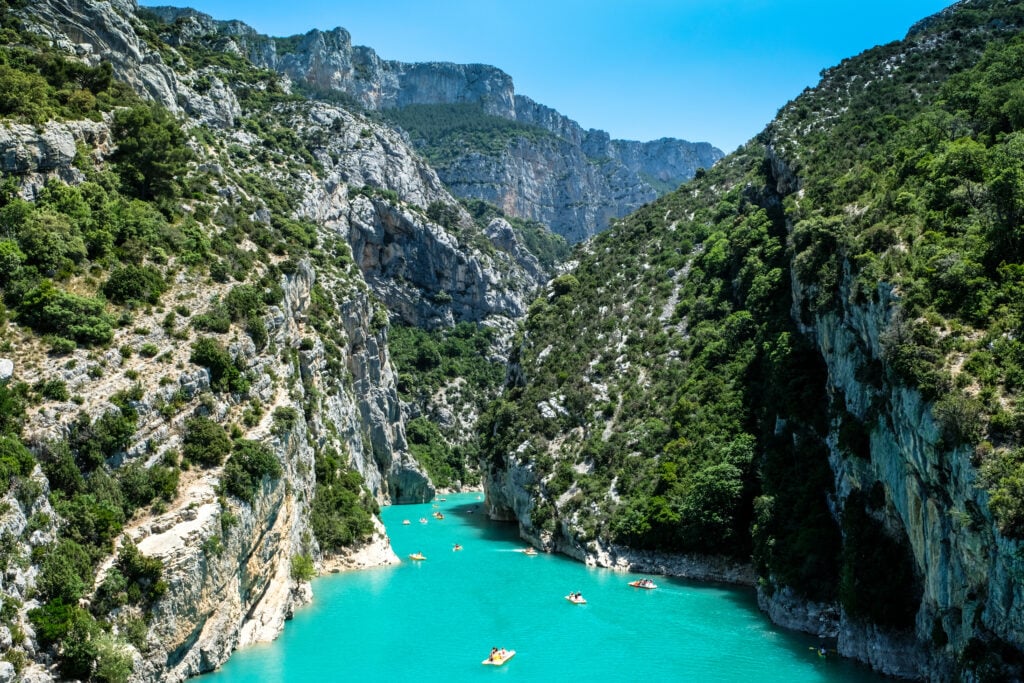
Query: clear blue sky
702,70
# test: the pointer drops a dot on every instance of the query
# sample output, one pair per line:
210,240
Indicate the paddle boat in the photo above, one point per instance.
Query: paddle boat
643,583
499,657
528,551
405,521
438,515
417,556
576,598
423,520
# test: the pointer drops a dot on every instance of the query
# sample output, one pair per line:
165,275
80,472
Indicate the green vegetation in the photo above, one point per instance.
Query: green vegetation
48,310
444,464
38,84
302,568
459,362
205,442
667,398
444,133
224,372
135,283
427,361
245,470
342,508
549,248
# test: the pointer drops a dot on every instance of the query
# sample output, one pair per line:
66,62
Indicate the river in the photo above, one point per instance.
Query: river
437,619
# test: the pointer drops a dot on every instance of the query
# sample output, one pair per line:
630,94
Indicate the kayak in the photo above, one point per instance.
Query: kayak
509,654
576,601
417,556
639,583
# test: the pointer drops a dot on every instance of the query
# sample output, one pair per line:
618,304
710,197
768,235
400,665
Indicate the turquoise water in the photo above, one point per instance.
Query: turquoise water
437,620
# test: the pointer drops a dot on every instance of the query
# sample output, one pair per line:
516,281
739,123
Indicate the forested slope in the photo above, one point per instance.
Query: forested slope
809,357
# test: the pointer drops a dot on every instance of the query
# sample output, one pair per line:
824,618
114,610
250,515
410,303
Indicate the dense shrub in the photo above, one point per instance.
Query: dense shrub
65,573
250,462
135,283
205,442
15,460
49,310
224,374
92,442
141,485
430,449
342,508
50,241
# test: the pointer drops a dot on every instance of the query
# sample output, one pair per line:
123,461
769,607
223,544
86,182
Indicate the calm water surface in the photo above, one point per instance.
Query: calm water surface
437,620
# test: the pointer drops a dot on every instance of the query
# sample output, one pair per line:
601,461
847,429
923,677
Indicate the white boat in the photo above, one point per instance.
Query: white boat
499,657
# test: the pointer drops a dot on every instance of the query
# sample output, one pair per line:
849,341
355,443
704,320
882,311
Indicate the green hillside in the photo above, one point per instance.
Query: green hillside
671,392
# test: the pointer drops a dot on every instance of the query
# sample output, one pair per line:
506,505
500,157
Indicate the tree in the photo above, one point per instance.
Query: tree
135,283
23,95
205,443
151,154
47,309
50,241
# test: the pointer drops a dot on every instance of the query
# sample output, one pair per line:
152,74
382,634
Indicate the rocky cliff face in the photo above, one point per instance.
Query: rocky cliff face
575,182
36,156
932,498
377,256
98,32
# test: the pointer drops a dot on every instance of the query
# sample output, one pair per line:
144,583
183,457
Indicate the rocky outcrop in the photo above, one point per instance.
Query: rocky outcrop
98,31
39,154
932,497
373,196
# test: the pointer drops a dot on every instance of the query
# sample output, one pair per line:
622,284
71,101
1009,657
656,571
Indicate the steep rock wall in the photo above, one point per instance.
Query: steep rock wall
97,31
968,572
575,182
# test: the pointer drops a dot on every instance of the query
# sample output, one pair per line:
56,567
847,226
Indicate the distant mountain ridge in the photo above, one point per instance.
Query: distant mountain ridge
575,182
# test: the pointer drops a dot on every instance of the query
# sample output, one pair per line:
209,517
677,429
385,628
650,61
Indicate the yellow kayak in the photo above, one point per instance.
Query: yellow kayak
500,658
417,556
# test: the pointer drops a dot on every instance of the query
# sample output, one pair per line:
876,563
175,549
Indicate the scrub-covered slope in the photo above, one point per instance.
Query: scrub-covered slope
809,357
199,270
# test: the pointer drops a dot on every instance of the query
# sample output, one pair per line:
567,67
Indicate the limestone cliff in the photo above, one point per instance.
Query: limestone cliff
318,376
575,181
932,498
